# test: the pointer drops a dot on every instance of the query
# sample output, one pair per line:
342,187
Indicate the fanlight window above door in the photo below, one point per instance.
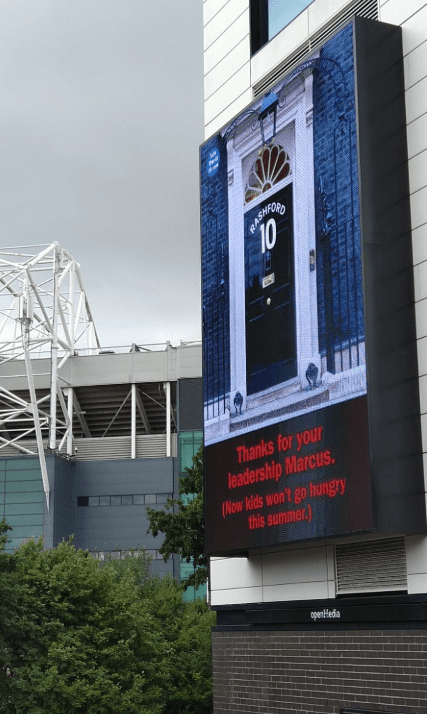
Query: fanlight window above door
272,165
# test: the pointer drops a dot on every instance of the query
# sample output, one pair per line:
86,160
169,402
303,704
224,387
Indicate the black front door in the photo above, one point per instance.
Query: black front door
270,293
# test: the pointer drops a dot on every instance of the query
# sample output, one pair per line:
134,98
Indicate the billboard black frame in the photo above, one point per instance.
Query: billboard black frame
395,445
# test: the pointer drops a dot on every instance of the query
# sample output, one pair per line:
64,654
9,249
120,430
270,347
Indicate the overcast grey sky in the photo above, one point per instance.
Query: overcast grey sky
101,117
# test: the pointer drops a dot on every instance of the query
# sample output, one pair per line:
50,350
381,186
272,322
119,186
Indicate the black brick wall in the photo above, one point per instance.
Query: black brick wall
307,672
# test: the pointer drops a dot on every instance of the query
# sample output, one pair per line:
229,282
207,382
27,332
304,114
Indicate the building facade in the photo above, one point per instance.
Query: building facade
136,423
332,620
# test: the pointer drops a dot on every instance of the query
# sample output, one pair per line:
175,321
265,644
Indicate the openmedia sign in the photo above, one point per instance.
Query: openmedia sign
286,403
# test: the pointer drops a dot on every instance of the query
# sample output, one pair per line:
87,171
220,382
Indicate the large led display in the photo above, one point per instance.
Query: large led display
288,431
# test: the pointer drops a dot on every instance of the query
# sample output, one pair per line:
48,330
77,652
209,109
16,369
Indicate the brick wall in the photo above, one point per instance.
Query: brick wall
308,672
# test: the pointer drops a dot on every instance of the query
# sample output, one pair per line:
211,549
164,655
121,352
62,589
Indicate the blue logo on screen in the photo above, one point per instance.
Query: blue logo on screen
213,162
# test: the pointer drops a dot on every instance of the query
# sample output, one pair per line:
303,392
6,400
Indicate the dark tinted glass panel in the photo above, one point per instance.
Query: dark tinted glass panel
83,501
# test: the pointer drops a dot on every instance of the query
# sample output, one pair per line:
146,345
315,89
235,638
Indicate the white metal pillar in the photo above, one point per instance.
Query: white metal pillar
133,423
70,406
167,388
54,353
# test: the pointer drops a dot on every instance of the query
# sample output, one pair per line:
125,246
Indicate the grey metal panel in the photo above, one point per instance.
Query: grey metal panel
98,478
171,364
101,369
114,528
166,365
111,448
119,527
189,361
62,504
160,568
14,377
190,404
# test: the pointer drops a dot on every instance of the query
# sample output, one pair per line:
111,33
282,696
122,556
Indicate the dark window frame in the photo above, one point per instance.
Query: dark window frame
258,13
259,23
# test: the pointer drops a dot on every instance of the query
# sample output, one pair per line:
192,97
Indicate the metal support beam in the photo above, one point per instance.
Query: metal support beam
44,312
81,417
35,412
143,413
54,356
70,406
167,388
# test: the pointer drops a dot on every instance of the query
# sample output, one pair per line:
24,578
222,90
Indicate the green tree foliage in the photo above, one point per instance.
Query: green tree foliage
9,620
184,526
92,638
187,631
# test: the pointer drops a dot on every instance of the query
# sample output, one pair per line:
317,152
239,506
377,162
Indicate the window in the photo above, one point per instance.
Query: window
188,445
282,12
268,17
124,500
105,555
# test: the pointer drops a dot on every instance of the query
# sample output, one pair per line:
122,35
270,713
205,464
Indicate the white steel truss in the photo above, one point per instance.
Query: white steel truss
44,312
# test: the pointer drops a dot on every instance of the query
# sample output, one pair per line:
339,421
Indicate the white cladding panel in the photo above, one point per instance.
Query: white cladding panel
280,46
225,43
228,66
301,573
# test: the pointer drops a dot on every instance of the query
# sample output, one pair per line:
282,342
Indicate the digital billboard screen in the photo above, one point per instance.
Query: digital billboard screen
288,453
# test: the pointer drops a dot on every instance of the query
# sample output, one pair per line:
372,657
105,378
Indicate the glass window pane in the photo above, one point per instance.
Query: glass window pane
150,498
104,500
24,497
162,497
27,531
21,486
138,499
82,501
116,500
14,509
24,475
189,443
282,12
34,519
126,500
93,500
